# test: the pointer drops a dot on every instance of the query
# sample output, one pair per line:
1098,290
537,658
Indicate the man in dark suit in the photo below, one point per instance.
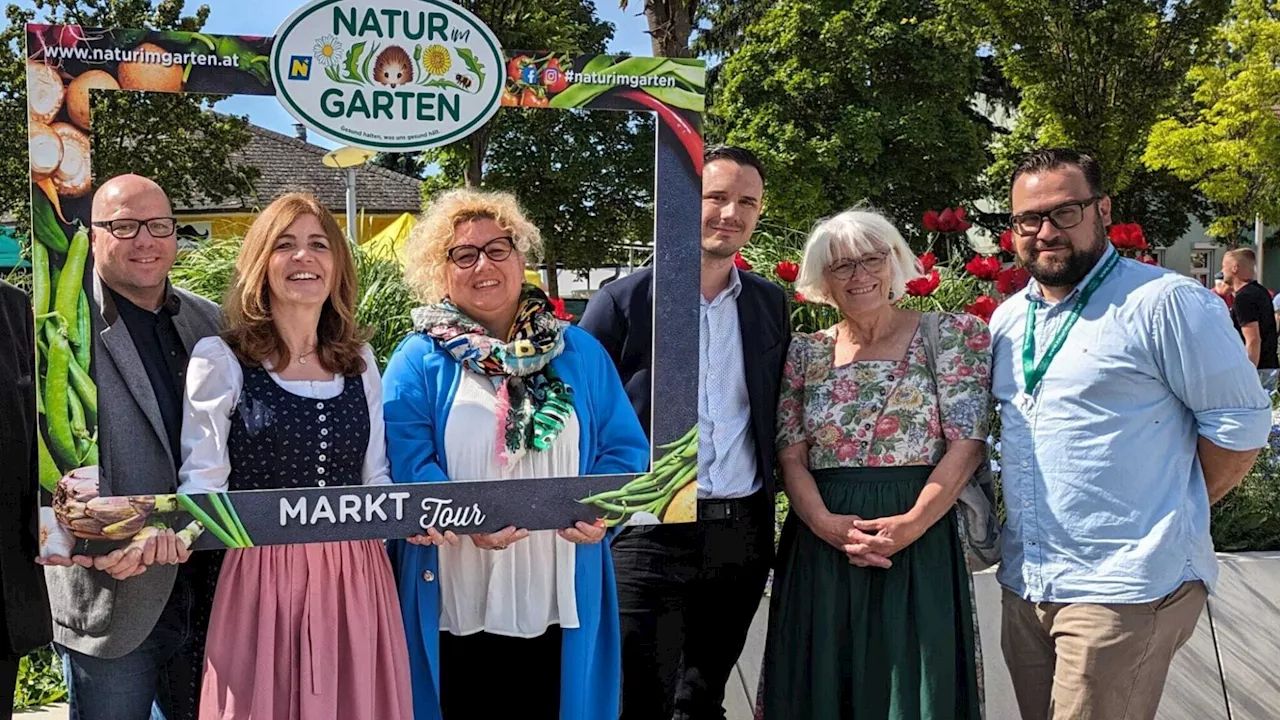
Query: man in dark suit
687,593
24,606
130,635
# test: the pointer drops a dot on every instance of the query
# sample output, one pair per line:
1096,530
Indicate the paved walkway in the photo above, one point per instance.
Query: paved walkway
1229,670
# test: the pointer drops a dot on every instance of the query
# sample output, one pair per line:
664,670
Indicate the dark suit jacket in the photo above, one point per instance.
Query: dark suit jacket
24,604
620,315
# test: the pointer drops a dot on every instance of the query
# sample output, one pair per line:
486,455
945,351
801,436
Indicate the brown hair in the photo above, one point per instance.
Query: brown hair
248,325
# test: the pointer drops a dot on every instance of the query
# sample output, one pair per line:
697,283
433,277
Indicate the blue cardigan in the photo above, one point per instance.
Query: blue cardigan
418,388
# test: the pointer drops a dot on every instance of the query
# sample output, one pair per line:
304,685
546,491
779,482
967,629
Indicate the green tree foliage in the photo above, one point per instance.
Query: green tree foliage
173,139
569,26
855,104
1227,142
1096,76
585,179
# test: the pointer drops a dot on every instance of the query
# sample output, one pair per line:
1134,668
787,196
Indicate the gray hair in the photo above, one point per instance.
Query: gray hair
854,233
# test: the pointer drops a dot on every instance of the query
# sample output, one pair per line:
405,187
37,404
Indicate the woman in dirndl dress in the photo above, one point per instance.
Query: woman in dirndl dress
289,396
871,615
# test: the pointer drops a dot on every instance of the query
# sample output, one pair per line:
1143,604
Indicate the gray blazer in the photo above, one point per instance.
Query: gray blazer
135,460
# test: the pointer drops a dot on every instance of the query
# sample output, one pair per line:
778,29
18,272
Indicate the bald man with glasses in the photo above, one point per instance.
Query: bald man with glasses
131,635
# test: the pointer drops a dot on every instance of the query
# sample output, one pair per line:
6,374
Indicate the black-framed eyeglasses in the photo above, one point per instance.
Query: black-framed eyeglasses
497,249
128,228
845,269
1063,217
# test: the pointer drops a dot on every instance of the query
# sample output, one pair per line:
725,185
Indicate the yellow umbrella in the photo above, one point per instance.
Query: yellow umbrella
389,244
533,277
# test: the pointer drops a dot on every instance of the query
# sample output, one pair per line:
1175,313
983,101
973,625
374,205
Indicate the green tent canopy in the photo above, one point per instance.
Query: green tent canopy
10,249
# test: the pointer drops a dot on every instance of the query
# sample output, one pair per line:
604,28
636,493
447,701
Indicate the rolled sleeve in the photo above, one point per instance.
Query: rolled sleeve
1205,366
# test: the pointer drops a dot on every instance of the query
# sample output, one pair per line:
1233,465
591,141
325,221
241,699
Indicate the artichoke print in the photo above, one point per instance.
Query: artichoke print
89,517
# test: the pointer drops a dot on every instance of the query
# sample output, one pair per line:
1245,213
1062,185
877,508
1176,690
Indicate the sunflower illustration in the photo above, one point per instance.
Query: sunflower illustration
436,60
328,50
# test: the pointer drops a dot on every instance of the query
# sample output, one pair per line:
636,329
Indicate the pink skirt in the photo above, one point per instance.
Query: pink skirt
307,632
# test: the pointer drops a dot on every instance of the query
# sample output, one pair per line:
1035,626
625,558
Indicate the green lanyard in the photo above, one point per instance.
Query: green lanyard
1033,375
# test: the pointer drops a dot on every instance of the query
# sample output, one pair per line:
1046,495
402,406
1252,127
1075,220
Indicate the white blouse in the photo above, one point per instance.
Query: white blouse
529,586
214,382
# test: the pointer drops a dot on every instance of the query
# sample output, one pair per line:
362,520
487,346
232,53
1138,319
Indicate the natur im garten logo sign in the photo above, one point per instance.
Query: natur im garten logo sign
404,75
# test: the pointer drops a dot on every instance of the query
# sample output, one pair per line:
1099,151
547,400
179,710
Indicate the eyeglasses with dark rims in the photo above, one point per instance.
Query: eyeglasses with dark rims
1063,217
128,228
497,249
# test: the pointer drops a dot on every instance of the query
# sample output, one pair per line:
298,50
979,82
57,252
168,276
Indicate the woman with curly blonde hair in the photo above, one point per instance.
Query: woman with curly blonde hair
289,397
492,386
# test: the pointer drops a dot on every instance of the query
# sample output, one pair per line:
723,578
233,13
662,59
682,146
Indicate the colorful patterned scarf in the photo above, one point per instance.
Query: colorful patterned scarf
533,402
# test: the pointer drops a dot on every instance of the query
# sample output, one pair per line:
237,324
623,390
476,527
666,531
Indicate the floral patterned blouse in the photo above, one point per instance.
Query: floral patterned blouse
838,410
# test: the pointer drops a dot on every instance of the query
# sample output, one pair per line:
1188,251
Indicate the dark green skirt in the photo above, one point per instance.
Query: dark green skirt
852,643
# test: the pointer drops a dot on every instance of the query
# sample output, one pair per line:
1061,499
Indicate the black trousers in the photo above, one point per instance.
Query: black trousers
686,597
8,679
495,676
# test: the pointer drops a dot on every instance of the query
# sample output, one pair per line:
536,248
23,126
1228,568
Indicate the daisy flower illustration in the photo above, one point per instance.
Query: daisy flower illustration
328,50
436,60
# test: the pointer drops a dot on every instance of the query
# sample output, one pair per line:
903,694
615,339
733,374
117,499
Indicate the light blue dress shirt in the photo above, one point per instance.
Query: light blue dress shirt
1105,498
726,453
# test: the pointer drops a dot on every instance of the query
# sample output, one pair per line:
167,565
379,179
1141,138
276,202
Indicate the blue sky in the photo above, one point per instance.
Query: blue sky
262,17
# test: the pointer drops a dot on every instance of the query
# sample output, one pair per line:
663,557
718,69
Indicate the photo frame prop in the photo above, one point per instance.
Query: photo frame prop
389,75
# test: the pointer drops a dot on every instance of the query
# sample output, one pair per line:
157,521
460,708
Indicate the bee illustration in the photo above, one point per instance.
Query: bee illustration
463,80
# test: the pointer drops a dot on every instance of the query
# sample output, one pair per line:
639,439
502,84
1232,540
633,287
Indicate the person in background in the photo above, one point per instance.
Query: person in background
687,592
491,385
1252,310
131,636
289,397
1222,289
24,603
1275,307
1106,557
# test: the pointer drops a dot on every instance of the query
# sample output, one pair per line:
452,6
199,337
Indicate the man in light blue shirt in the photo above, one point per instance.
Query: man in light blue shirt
1128,407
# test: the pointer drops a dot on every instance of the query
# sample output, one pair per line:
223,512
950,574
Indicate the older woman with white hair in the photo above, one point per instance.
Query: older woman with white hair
871,611
491,385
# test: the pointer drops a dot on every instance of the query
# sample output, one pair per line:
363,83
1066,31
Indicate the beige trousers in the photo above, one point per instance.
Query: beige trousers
1080,661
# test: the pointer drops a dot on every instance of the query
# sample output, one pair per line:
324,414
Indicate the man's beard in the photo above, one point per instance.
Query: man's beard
1074,267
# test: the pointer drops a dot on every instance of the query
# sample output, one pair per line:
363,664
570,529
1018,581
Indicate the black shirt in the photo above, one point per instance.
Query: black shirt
1253,304
163,355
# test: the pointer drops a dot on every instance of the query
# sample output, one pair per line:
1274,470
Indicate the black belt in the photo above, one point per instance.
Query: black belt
716,509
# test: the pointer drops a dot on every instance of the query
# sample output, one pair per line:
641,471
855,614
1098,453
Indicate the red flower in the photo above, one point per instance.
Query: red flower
741,262
1006,242
924,285
928,260
983,307
801,298
983,268
1012,279
1127,236
887,426
950,220
557,304
787,271
1148,259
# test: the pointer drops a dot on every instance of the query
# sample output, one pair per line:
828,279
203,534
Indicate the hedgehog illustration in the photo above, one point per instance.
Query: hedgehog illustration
393,67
